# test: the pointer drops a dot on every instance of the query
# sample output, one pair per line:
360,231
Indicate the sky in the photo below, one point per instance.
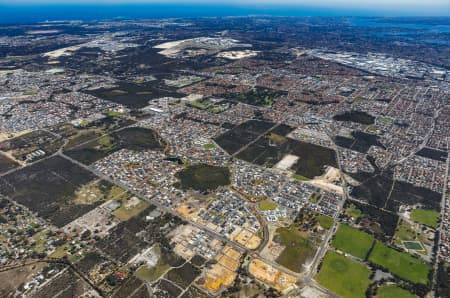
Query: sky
344,7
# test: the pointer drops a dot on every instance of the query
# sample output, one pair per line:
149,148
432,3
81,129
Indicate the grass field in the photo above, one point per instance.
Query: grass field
343,276
151,274
392,291
404,231
325,222
209,146
123,213
354,212
298,248
300,177
276,138
426,217
114,113
264,206
315,198
353,241
400,264
60,251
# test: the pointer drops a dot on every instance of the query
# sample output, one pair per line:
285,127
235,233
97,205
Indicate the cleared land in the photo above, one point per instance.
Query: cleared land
272,276
298,248
343,276
400,264
130,207
353,241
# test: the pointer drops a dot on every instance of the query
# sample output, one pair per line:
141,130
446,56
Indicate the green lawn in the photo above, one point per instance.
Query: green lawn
30,92
209,146
114,113
400,264
353,241
426,217
392,291
325,222
300,177
343,276
264,206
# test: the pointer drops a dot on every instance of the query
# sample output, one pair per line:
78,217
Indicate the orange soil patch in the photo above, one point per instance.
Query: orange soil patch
187,211
231,252
279,280
218,277
229,262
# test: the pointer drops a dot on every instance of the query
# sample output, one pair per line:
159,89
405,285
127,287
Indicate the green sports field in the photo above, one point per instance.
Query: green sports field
343,276
400,264
392,291
426,217
353,241
266,205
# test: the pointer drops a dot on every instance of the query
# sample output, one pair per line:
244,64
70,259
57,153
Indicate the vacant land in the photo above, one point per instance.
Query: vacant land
183,276
133,95
257,97
438,155
132,138
360,141
203,177
7,164
343,276
353,241
298,248
401,264
241,135
356,117
165,289
145,273
25,144
382,223
392,291
426,217
127,210
138,138
271,148
10,280
194,292
49,188
83,136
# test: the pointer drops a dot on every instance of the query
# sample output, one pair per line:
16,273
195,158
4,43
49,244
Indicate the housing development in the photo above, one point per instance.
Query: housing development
225,157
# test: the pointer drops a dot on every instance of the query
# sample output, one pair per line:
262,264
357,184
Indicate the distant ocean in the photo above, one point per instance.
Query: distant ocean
27,13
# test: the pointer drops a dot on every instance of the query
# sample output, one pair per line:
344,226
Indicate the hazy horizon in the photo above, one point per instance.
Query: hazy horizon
25,11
